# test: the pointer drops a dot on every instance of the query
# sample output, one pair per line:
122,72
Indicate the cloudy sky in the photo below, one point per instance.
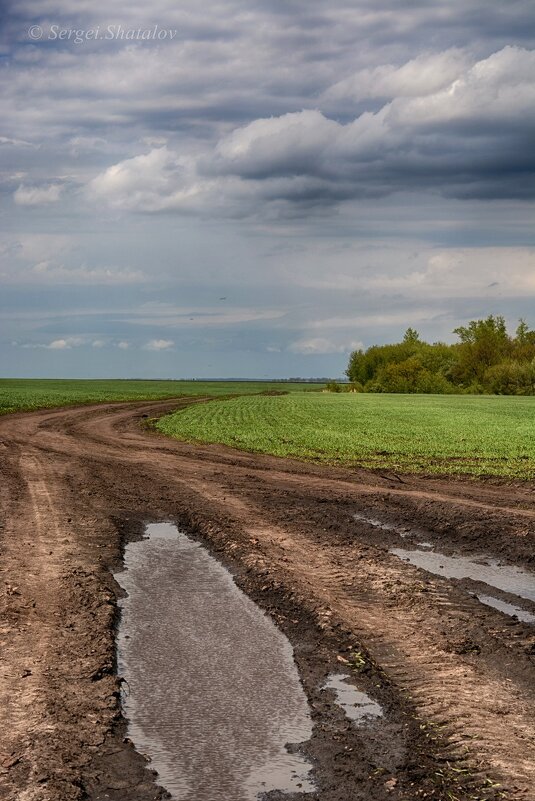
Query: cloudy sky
256,187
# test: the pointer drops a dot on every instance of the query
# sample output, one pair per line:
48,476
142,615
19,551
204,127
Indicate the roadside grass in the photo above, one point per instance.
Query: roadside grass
441,434
29,394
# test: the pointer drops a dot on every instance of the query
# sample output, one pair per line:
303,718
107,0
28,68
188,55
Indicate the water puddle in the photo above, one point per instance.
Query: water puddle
506,608
372,521
401,531
507,578
512,580
213,692
358,706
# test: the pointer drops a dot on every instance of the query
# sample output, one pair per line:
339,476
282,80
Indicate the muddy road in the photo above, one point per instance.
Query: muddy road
313,547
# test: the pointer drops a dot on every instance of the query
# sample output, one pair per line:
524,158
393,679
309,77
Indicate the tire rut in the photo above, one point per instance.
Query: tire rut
417,630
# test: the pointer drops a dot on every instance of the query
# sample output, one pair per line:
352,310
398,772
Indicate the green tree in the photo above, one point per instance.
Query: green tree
483,343
485,359
523,343
411,337
522,332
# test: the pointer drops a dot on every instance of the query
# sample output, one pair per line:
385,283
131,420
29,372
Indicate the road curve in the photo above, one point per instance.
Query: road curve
457,677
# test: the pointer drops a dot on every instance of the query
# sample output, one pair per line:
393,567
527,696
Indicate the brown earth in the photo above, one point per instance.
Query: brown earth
456,678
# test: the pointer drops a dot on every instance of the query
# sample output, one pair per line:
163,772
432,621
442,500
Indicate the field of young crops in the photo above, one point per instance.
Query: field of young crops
27,394
478,435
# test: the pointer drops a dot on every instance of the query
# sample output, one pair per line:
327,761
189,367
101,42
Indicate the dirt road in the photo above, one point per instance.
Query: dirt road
455,677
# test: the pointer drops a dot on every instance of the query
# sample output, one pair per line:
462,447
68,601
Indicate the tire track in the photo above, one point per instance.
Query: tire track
406,621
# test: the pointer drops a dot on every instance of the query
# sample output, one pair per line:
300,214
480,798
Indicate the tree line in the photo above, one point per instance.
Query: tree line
485,359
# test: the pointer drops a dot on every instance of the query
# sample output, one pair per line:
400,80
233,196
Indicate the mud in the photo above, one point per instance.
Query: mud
454,677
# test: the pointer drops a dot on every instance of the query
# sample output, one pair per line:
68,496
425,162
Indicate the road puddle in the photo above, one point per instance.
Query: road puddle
484,569
358,706
372,521
507,578
506,608
213,694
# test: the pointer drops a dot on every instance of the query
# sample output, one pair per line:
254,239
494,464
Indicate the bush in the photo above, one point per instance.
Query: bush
511,378
410,376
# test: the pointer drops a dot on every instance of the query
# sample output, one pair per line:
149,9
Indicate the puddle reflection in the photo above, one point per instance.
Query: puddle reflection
214,691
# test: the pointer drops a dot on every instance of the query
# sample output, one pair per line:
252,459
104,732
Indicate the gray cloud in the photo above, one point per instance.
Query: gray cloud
461,129
325,168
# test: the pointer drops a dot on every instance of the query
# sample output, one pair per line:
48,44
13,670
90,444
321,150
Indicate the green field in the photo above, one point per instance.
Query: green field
27,394
444,434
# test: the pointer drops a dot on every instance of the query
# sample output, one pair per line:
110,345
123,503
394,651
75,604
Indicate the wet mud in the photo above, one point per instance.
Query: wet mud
454,677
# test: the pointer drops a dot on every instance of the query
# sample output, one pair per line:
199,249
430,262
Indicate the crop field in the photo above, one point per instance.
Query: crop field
478,435
27,394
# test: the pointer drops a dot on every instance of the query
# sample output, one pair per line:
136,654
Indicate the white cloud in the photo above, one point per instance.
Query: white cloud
154,181
499,87
376,150
422,139
423,75
298,135
6,140
65,343
123,345
420,272
320,345
159,344
473,272
37,195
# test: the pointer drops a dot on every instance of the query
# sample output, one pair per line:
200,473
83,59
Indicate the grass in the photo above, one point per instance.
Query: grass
442,434
27,394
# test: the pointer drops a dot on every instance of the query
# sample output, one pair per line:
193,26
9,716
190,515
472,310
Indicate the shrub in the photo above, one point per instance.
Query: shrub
511,378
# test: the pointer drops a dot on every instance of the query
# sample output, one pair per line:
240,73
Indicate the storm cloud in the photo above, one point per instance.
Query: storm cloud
328,172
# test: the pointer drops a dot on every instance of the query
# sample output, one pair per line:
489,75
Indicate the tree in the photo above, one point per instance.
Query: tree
523,343
522,332
483,343
486,359
411,337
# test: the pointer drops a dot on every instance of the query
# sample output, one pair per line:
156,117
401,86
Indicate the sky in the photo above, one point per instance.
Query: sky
255,188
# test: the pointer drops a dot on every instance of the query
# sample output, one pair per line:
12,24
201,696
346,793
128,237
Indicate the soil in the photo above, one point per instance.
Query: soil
455,678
